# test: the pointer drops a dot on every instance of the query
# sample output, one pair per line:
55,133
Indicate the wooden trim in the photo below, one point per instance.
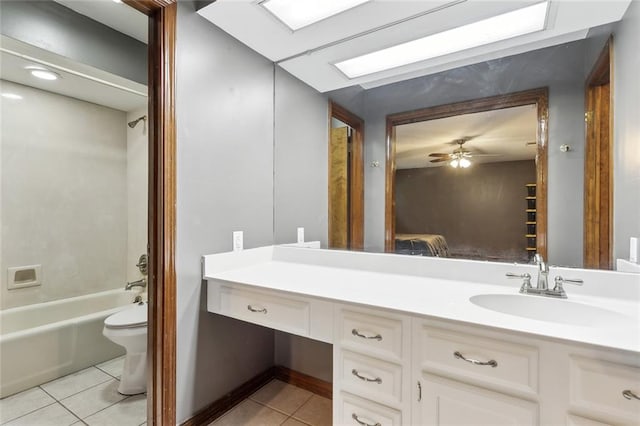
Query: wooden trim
598,164
161,346
220,406
539,97
356,175
304,381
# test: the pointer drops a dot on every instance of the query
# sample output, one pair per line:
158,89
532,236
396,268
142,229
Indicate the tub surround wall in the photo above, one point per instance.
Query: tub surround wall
225,183
64,162
137,188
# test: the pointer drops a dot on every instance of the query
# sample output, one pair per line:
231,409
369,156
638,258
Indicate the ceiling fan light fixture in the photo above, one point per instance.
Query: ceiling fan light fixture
454,163
297,14
464,163
497,28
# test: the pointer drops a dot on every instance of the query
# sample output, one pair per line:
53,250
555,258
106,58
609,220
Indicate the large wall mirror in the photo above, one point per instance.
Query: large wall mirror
544,139
516,129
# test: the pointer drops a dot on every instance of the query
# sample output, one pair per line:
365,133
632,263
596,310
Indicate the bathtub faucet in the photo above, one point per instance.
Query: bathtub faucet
140,283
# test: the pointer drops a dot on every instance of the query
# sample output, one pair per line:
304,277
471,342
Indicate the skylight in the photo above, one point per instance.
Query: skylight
501,27
297,14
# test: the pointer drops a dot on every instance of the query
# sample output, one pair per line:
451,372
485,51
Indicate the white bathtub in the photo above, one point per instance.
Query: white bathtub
44,341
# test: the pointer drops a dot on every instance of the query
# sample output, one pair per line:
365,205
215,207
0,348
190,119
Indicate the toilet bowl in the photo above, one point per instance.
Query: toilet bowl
128,328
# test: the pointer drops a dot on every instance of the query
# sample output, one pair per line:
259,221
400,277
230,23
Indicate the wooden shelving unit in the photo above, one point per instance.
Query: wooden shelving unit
531,222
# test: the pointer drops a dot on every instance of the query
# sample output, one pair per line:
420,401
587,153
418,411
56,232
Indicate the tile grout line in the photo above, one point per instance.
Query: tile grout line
32,411
115,403
61,404
104,408
92,386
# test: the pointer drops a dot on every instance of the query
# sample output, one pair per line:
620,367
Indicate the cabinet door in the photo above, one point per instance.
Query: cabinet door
447,402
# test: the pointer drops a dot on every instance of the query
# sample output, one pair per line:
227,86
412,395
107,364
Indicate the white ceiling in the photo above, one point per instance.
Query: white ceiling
118,16
504,133
77,80
310,52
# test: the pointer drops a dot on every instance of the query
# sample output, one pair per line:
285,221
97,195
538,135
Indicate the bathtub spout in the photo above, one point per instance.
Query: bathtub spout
140,283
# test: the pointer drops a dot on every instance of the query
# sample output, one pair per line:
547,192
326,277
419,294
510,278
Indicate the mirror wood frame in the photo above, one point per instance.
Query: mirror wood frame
538,97
356,176
161,339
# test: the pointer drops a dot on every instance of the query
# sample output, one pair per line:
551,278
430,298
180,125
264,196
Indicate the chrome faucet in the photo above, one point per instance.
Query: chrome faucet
543,273
542,286
140,283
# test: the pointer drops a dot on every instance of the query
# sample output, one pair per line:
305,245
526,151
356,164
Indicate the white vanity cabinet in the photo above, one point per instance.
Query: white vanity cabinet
419,352
462,376
371,367
295,314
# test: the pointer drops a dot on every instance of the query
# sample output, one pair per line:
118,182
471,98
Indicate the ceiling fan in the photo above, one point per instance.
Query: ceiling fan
460,156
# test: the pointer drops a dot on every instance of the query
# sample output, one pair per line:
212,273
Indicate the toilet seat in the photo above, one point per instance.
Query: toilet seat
128,318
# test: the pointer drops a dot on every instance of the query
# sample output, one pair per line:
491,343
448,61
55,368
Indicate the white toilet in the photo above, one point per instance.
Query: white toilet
128,328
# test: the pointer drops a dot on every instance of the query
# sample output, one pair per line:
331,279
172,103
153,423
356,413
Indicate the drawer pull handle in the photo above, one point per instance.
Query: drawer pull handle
377,380
355,417
252,309
357,333
629,394
492,362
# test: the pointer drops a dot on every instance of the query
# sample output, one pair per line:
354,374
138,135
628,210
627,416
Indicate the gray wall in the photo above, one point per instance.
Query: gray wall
225,183
560,68
51,26
626,124
301,160
480,210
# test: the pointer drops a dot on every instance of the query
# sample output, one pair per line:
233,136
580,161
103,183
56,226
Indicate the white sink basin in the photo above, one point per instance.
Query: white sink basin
550,310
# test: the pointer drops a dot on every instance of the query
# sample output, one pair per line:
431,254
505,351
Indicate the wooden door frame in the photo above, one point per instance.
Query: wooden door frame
538,97
161,340
356,175
598,176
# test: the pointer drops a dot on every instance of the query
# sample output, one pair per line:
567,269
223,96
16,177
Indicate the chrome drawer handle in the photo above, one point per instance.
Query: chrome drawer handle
492,362
377,380
252,309
629,394
355,332
355,417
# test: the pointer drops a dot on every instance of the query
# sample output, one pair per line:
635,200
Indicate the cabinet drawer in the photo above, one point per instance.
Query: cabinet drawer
573,420
371,377
494,362
598,386
356,411
281,313
377,335
447,402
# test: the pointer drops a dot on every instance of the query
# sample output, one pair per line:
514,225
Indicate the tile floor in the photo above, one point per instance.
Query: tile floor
88,397
279,403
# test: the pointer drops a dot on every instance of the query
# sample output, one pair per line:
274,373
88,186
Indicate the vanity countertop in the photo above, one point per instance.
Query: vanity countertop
442,289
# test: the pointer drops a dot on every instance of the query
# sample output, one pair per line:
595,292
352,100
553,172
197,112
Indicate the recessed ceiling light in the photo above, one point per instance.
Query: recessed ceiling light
508,25
11,96
43,73
297,14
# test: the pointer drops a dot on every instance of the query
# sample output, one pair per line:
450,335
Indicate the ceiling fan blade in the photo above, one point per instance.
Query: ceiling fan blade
438,154
439,160
485,155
